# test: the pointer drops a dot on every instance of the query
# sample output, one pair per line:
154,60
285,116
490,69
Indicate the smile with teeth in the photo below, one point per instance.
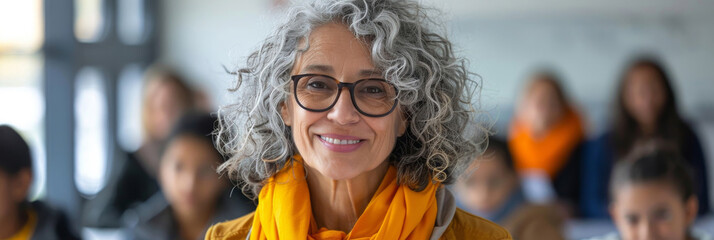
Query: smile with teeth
339,141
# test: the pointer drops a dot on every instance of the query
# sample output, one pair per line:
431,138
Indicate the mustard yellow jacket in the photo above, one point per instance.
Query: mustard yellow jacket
462,226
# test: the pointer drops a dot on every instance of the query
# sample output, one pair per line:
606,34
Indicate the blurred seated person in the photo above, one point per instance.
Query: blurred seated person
653,197
645,114
490,188
19,218
545,139
192,196
133,180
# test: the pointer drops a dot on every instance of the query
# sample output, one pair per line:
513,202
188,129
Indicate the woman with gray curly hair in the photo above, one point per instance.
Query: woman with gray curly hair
350,118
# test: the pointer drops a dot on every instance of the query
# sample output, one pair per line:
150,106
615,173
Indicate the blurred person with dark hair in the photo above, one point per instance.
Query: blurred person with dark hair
19,218
545,139
653,197
192,196
645,115
166,98
491,189
133,180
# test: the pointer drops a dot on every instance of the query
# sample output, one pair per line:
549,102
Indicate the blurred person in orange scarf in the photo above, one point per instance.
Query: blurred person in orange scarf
544,139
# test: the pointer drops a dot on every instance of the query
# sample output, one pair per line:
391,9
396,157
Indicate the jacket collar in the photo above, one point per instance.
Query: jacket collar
446,208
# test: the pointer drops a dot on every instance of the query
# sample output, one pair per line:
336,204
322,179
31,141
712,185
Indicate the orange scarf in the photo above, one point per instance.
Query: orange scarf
550,152
395,211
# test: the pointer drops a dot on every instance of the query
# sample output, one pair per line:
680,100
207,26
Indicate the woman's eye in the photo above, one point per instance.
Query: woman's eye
373,90
317,85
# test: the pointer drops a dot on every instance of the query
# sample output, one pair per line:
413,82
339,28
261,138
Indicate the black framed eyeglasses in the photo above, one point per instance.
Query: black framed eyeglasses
372,97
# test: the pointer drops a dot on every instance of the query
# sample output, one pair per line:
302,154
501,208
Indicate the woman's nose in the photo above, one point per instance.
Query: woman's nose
344,112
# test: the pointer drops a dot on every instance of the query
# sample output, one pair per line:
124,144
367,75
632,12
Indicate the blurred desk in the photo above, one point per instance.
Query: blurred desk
580,229
103,234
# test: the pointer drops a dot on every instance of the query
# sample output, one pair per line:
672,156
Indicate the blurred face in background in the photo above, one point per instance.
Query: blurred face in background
489,186
165,103
644,95
13,191
7,198
652,211
188,175
541,107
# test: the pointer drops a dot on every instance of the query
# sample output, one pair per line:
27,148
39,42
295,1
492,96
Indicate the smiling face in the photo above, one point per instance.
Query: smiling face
340,143
652,211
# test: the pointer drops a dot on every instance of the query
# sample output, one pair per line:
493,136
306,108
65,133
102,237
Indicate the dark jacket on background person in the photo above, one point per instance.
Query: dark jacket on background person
51,224
599,160
129,185
568,182
154,220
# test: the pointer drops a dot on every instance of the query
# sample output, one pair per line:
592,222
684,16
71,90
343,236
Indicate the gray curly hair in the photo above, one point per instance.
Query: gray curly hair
435,91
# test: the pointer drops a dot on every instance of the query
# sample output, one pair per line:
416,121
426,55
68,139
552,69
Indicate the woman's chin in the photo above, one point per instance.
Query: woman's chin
341,166
340,173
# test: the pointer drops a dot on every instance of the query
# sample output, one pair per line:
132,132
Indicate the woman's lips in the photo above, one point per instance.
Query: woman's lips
340,143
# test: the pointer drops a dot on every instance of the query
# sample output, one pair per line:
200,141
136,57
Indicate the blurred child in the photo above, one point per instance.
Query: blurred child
192,196
544,138
19,218
133,180
645,114
490,189
653,197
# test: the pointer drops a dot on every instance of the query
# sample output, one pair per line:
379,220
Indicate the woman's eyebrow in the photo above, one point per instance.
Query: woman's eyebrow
370,73
329,70
319,68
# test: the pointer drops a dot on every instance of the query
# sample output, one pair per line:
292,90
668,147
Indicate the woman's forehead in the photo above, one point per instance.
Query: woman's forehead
334,49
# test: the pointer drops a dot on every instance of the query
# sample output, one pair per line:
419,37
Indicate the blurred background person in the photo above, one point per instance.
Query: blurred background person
192,196
653,197
19,218
166,97
491,188
73,71
545,136
645,114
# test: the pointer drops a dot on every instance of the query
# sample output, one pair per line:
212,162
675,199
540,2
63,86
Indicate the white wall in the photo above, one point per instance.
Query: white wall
587,41
200,37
